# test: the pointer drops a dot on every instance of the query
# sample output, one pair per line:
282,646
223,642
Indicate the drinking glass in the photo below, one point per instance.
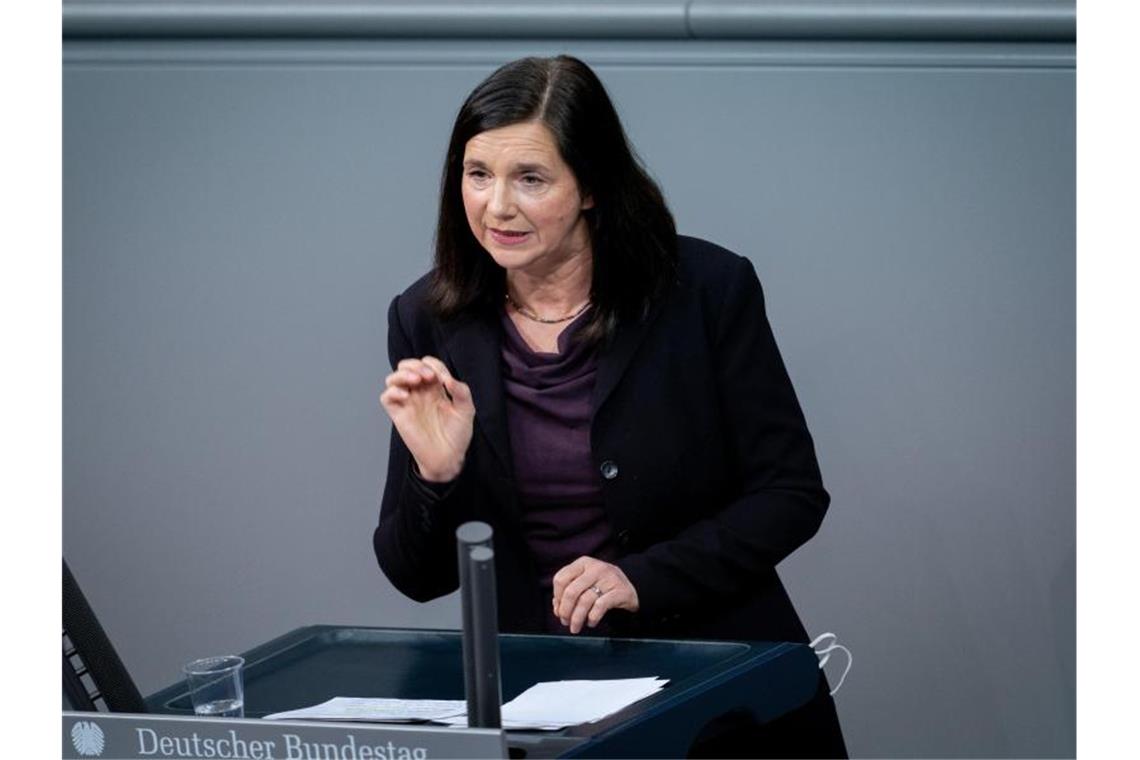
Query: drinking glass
216,687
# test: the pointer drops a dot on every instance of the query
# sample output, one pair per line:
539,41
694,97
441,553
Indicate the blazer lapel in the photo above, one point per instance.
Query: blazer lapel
614,359
472,346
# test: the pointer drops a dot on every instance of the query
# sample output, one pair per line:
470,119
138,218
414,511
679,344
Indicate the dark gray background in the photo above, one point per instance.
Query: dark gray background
239,212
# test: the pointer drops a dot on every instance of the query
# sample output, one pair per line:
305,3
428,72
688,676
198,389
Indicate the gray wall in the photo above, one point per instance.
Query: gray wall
239,208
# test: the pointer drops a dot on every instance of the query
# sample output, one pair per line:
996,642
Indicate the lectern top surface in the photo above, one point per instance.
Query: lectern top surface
313,664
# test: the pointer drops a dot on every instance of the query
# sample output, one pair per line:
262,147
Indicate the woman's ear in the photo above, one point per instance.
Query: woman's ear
587,202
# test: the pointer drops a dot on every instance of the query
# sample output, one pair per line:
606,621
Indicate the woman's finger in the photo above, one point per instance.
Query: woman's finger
460,394
585,603
563,577
436,366
404,377
394,395
417,366
602,605
409,364
457,391
574,591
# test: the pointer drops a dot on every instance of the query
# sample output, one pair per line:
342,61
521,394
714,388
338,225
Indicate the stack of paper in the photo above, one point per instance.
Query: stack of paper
546,706
378,710
552,705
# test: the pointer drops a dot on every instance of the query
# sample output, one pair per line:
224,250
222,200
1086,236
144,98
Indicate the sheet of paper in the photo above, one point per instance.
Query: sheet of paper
546,706
460,721
377,710
552,705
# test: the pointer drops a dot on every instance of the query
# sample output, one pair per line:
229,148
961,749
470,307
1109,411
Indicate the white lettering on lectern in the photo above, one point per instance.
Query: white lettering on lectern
151,744
296,749
145,733
194,746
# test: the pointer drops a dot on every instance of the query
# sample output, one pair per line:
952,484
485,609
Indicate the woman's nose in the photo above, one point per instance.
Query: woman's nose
502,203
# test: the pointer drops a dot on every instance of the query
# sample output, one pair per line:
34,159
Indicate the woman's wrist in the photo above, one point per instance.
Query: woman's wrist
436,476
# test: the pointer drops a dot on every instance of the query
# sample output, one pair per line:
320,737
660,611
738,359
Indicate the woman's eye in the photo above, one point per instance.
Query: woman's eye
532,180
477,174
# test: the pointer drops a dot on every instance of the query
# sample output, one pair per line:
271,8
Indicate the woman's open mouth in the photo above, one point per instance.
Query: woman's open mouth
508,237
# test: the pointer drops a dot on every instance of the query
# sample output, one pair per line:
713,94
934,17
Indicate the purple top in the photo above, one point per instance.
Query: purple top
548,420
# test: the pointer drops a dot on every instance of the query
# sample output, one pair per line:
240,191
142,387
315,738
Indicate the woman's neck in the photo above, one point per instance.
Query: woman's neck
557,292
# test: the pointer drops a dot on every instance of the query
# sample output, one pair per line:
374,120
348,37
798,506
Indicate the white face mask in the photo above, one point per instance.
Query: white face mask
824,644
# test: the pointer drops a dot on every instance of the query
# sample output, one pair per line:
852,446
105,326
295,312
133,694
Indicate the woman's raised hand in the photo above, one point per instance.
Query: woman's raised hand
433,413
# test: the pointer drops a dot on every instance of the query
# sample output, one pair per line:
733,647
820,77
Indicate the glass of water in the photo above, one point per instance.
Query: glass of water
215,686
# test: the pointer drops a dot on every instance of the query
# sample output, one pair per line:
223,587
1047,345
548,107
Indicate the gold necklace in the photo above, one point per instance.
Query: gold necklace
535,318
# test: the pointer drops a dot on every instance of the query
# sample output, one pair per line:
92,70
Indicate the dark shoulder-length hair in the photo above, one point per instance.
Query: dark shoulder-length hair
632,234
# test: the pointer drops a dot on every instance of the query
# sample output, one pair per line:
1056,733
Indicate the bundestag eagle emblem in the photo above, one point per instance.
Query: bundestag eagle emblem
87,738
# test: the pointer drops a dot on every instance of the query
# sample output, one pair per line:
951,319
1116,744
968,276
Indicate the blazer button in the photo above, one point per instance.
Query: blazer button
623,538
609,469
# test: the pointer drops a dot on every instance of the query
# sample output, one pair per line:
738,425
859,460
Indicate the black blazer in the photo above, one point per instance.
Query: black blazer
708,470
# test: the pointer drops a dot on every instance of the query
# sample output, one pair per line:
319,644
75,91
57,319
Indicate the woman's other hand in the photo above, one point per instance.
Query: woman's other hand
588,588
433,413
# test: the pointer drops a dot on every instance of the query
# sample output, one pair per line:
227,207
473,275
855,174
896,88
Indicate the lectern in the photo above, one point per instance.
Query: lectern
315,663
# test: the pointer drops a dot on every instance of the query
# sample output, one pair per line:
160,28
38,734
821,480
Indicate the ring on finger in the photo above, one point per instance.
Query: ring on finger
597,590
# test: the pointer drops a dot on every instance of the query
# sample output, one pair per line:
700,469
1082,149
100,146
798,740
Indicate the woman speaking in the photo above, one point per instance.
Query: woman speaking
606,394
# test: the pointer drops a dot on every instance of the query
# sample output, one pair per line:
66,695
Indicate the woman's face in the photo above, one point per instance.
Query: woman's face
522,200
